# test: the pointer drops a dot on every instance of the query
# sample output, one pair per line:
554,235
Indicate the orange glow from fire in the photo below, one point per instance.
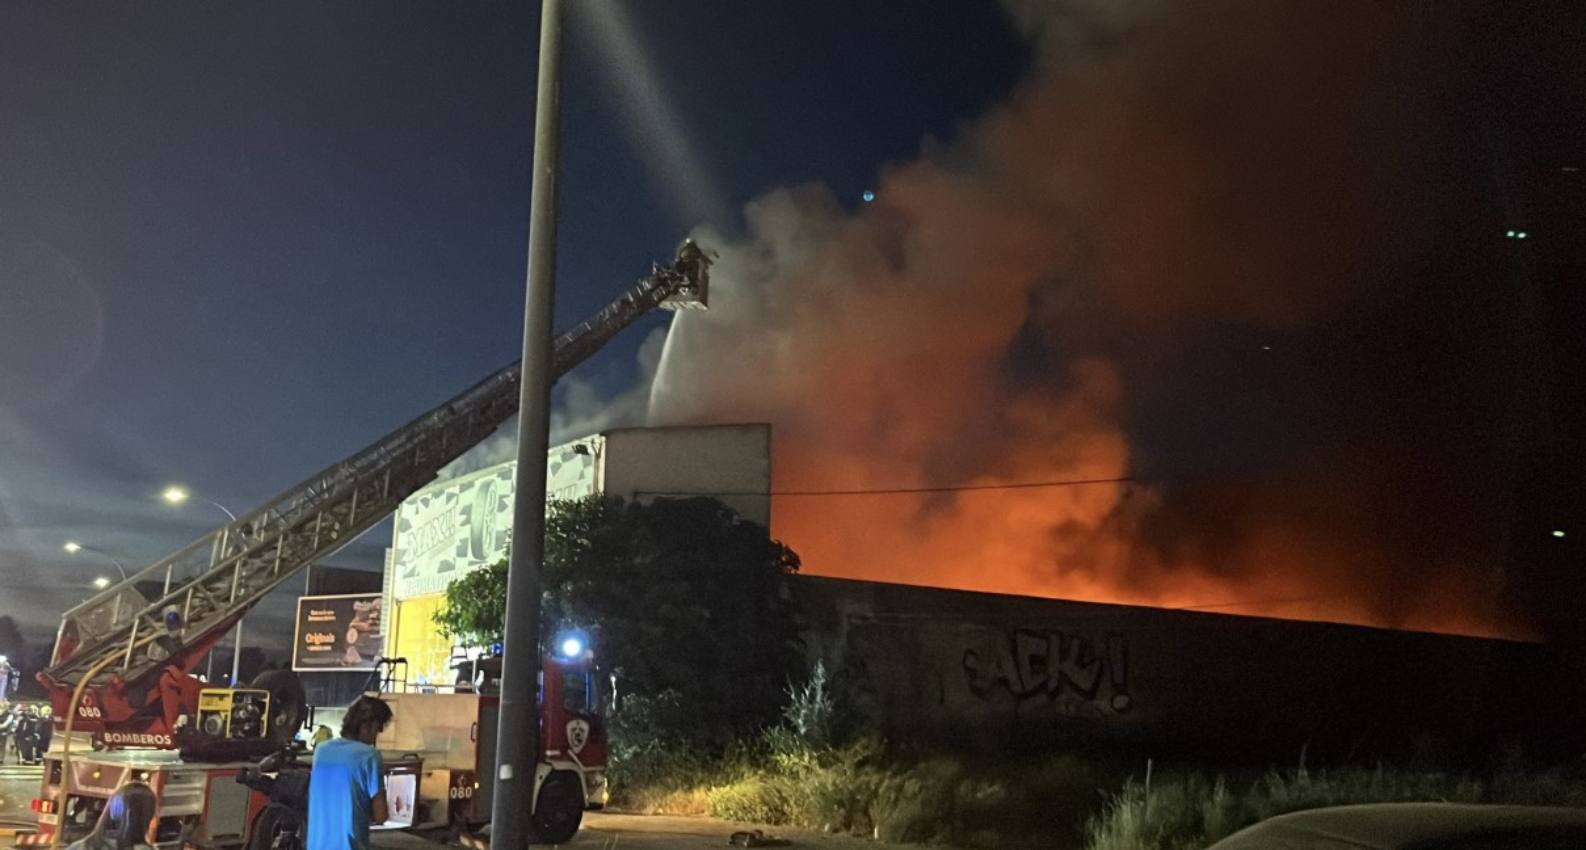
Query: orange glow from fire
990,317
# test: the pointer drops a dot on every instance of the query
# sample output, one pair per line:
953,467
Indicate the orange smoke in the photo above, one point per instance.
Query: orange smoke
1009,305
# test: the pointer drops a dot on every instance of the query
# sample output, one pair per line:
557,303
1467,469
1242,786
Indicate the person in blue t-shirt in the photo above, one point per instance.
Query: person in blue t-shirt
346,791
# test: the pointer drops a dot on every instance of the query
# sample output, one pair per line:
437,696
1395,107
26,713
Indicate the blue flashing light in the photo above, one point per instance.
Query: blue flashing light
869,196
570,647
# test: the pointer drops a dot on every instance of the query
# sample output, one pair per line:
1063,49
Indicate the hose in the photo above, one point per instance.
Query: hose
66,746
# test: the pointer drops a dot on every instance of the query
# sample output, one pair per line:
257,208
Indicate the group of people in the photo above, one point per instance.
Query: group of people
27,729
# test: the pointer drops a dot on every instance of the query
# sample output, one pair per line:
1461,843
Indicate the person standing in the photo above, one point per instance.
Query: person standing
46,728
346,789
27,735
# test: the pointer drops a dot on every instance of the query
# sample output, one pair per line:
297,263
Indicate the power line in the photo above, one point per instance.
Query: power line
1022,485
891,491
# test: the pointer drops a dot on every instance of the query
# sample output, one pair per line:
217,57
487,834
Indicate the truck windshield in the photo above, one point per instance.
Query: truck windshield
576,694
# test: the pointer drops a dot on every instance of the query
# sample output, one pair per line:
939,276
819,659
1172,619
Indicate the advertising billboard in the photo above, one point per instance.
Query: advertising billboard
338,632
449,530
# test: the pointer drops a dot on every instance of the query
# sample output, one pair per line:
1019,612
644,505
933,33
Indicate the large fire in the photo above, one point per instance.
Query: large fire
1035,304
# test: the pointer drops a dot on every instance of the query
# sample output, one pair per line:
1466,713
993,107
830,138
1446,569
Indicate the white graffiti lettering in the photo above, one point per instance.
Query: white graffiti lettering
1074,672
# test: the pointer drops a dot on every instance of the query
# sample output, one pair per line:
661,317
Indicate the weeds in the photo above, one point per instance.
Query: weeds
796,774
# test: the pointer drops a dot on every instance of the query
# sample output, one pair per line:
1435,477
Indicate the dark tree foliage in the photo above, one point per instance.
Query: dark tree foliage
475,609
684,602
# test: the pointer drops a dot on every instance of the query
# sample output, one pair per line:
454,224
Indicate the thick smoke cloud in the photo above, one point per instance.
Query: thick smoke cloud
581,409
1194,248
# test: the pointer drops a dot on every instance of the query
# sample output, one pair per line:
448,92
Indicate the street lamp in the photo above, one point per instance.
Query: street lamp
176,494
73,547
101,583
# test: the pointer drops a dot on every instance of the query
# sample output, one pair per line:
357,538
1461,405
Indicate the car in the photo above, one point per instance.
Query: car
1416,826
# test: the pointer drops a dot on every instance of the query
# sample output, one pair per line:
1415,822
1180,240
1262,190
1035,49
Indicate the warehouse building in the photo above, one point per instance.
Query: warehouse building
998,672
457,525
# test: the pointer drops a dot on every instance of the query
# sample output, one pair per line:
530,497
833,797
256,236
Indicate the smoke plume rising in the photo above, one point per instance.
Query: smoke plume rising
1192,249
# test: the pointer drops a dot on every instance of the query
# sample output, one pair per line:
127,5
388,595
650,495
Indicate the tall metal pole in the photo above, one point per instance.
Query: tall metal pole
236,656
517,735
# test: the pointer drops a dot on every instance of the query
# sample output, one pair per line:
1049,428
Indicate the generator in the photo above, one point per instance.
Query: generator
234,713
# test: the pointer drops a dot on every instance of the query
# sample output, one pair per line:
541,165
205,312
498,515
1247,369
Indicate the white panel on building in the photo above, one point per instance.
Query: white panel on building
731,463
459,525
450,529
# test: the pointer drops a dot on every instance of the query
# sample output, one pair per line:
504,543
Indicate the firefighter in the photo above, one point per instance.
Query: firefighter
29,736
46,730
321,735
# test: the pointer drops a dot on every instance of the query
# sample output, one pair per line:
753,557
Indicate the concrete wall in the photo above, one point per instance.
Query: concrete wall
728,462
995,671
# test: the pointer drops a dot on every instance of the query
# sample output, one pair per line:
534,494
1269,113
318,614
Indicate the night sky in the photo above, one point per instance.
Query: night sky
240,241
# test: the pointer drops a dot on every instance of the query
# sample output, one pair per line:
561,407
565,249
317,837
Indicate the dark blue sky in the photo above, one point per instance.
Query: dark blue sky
239,241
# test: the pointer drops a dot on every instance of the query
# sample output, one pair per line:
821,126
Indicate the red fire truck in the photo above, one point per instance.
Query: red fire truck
130,709
438,753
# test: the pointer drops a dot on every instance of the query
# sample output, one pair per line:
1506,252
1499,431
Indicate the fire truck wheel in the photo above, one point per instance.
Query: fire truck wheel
287,703
276,828
559,810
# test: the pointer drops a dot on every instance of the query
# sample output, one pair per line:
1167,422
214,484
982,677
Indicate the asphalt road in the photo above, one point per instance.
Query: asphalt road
18,786
608,831
603,830
662,832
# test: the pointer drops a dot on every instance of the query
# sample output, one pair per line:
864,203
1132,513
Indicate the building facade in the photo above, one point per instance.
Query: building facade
458,525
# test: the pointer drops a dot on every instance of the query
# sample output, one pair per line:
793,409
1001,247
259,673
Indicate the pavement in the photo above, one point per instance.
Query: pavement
613,830
19,784
616,831
603,830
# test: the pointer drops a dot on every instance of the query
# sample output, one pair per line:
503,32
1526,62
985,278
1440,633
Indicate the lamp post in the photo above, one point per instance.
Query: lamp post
73,547
517,735
177,494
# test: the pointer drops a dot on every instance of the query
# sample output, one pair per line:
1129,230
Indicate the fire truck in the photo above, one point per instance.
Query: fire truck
130,709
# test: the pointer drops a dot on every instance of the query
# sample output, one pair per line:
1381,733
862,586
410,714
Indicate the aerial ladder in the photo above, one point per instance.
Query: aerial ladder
128,653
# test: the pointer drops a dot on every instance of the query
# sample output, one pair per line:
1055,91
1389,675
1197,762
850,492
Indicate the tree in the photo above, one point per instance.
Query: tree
476,607
684,602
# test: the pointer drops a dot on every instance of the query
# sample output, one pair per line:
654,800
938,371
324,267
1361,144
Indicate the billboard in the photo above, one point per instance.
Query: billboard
453,528
338,632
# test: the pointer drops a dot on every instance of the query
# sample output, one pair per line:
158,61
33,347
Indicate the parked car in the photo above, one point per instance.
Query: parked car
1417,826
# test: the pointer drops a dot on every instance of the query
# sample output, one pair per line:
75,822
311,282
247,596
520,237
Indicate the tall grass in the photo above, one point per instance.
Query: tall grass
859,789
793,774
1056,802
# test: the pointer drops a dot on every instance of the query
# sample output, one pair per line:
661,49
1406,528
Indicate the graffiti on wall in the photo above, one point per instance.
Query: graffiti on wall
1078,674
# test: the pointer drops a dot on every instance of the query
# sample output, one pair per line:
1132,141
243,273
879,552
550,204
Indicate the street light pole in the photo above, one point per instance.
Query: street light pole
517,731
74,547
177,494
